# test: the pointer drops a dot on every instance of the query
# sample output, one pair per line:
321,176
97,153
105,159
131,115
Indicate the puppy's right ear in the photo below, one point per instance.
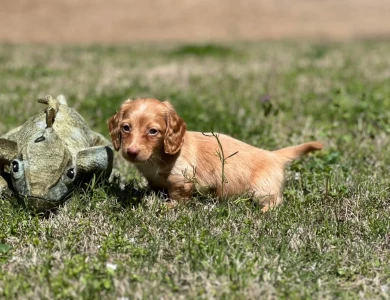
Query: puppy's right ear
176,128
115,132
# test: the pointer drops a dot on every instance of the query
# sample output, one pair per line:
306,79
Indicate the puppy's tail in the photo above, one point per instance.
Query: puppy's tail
290,153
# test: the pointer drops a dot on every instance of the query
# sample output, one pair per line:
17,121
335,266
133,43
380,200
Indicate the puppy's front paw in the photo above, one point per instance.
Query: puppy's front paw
171,204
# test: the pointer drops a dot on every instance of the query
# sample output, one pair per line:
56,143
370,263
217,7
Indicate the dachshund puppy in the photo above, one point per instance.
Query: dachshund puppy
154,138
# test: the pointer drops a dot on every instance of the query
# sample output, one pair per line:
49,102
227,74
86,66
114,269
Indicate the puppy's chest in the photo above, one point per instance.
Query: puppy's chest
154,176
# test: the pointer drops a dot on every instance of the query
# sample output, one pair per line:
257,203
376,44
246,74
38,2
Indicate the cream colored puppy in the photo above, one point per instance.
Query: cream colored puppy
154,138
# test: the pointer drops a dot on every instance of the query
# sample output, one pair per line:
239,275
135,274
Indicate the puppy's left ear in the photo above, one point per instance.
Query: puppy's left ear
176,128
115,131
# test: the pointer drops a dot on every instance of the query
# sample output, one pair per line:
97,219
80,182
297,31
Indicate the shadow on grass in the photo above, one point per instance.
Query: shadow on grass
129,195
202,50
85,196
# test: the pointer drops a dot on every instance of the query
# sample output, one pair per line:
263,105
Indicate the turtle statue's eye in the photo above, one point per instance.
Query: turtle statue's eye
70,173
15,166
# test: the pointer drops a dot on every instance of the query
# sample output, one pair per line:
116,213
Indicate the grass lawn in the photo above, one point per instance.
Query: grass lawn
329,239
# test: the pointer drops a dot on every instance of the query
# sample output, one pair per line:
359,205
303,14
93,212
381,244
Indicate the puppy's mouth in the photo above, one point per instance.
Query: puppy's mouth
137,160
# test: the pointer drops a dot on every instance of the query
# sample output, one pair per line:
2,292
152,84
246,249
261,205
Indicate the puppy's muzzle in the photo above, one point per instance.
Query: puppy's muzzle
132,152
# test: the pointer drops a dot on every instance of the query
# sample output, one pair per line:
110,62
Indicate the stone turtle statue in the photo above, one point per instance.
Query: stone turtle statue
44,159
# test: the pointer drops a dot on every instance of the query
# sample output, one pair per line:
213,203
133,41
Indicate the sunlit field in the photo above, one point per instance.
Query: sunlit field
329,239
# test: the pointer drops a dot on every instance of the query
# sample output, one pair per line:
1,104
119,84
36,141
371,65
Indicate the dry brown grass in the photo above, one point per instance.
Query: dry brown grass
129,21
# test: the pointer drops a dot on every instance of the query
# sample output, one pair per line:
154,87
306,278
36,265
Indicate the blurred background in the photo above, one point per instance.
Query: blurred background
128,21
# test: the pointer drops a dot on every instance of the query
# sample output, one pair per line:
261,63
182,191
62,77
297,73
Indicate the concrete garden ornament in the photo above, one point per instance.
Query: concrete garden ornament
45,158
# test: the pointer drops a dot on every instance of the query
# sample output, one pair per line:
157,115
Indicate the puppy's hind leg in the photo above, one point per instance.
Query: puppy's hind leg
268,202
267,189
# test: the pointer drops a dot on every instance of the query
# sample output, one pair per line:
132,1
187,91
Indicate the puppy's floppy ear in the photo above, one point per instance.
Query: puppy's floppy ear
115,131
176,128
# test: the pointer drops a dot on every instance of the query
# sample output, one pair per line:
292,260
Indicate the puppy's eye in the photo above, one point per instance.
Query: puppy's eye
152,131
126,128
